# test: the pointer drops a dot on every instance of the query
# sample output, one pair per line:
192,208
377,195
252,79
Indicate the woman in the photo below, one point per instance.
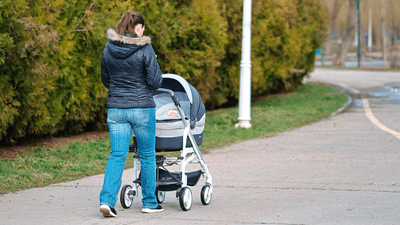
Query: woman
130,72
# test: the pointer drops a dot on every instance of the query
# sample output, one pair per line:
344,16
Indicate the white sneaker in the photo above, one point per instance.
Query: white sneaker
159,208
108,211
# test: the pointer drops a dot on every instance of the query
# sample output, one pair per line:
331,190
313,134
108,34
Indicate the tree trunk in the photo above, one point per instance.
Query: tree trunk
393,49
349,34
329,42
384,52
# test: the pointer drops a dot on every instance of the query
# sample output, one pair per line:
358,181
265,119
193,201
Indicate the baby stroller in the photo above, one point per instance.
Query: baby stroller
180,119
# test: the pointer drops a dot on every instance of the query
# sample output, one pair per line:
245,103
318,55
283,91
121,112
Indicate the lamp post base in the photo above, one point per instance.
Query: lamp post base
243,124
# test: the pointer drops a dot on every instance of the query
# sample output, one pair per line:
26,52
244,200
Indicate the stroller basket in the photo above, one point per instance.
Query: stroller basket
168,181
171,181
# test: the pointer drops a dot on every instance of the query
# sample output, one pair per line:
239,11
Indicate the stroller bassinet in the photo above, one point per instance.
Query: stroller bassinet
169,125
180,119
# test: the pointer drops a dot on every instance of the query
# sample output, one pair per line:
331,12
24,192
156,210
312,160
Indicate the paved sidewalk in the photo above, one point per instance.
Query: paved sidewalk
341,170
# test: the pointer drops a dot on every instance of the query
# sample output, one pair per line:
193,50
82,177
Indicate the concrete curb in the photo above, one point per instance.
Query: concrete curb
345,106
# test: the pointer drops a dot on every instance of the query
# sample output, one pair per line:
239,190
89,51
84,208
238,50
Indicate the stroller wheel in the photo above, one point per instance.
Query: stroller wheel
126,196
160,196
185,199
206,194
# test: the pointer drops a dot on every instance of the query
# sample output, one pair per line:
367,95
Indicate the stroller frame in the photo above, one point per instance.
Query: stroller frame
179,179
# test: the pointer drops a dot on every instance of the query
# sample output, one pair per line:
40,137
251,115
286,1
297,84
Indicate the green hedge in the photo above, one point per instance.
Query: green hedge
49,72
285,35
50,54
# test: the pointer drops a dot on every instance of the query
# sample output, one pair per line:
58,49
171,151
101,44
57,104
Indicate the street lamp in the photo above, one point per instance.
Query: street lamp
358,34
245,69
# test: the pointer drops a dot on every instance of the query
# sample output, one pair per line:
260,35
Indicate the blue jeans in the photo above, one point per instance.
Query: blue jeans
121,122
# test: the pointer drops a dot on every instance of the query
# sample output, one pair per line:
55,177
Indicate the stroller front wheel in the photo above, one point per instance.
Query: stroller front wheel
185,199
206,194
126,196
160,195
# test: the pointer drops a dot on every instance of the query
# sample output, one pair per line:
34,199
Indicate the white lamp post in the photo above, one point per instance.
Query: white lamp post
370,31
245,69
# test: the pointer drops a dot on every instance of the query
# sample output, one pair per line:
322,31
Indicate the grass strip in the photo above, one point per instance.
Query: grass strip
276,113
42,166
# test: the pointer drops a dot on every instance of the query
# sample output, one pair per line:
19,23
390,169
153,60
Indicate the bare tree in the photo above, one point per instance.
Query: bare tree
383,14
393,50
332,17
348,37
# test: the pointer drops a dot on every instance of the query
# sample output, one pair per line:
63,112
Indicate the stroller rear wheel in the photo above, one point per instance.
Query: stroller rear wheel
206,194
126,196
160,195
185,199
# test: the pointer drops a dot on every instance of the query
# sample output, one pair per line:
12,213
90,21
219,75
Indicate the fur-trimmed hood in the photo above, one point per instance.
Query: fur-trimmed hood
130,71
114,36
122,46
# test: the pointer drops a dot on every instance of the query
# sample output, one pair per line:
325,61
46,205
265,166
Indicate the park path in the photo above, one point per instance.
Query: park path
340,170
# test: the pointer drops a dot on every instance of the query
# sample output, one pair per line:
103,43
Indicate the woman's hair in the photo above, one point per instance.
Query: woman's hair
128,22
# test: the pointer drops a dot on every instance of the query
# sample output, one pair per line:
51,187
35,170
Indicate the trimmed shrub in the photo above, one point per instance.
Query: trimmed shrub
51,67
26,79
50,54
285,35
189,38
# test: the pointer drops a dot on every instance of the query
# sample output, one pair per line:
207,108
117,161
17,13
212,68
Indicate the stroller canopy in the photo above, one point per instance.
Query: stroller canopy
189,99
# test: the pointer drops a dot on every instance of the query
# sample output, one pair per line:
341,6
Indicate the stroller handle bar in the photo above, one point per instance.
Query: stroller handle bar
172,95
176,102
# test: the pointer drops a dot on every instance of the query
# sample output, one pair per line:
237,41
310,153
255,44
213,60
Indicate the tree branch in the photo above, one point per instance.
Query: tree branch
83,18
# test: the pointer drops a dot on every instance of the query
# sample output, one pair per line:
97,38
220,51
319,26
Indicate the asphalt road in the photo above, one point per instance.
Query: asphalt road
341,170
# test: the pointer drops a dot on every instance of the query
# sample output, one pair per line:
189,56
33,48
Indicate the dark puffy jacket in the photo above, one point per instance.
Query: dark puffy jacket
130,71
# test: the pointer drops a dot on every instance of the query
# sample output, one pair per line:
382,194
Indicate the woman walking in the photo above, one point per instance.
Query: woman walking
130,72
